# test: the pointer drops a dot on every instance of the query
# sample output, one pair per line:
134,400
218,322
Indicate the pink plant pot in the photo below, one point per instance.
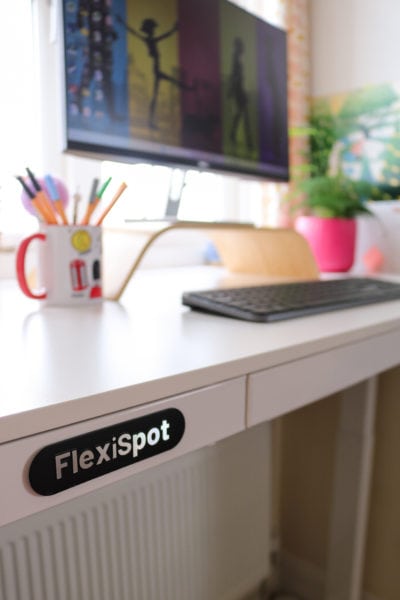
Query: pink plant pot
332,241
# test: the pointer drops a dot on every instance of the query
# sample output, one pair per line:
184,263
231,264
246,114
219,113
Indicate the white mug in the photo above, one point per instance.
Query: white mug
69,265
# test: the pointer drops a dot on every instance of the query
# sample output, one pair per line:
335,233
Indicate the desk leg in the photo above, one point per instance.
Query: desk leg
354,458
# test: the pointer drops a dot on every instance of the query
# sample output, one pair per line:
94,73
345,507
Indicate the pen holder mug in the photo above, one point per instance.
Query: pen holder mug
69,265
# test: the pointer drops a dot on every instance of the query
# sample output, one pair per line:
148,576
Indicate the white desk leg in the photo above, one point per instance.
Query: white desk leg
354,457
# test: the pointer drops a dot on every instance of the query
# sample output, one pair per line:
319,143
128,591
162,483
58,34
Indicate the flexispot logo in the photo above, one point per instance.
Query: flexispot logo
71,462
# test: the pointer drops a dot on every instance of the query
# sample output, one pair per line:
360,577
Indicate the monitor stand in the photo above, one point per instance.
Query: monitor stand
242,248
177,184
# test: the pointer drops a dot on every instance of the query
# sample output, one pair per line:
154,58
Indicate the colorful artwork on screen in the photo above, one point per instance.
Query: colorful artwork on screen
178,72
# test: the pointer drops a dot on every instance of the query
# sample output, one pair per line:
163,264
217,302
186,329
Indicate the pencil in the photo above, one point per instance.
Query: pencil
77,198
117,194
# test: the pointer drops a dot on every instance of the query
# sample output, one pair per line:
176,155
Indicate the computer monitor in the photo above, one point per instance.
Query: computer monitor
189,83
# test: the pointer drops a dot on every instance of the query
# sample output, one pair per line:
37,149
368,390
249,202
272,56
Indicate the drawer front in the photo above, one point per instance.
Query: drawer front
205,416
281,389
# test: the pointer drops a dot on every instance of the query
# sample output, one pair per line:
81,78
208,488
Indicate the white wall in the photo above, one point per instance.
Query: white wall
353,43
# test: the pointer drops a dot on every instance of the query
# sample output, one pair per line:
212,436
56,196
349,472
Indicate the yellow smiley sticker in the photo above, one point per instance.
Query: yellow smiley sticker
81,240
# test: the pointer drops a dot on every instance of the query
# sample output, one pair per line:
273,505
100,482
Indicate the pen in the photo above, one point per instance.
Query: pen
117,194
40,209
93,191
43,199
94,199
55,197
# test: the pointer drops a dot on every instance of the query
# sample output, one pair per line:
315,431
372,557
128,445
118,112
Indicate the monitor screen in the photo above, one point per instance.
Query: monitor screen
195,83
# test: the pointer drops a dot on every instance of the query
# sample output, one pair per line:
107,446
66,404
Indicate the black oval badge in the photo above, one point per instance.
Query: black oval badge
79,459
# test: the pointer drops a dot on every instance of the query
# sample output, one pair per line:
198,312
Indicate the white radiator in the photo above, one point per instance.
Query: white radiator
196,528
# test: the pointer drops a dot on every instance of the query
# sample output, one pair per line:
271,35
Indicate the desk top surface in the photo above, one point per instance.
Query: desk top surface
64,365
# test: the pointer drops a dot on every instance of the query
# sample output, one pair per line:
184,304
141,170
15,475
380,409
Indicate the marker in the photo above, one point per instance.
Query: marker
118,193
43,199
55,197
94,199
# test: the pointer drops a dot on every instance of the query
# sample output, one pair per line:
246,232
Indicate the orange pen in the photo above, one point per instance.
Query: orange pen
41,210
117,194
42,200
94,200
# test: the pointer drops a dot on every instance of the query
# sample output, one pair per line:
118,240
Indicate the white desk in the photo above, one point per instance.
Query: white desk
68,371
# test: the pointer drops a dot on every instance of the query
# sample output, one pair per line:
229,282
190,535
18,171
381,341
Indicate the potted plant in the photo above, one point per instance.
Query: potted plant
331,204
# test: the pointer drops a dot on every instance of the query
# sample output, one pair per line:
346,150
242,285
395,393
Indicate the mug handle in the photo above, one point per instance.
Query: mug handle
20,264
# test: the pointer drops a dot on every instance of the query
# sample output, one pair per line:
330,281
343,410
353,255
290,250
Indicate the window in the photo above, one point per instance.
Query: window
18,124
31,133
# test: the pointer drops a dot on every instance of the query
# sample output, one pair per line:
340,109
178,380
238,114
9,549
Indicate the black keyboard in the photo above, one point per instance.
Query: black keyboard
288,300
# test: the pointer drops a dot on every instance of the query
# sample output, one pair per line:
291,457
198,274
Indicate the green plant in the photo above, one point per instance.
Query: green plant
337,196
319,135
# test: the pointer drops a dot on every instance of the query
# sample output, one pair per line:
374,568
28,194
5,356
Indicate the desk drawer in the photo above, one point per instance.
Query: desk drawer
209,414
281,389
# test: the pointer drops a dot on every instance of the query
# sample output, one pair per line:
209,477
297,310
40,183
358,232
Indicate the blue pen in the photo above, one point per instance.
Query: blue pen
55,197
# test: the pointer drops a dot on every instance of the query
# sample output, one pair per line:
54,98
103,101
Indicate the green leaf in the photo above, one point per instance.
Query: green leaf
335,196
